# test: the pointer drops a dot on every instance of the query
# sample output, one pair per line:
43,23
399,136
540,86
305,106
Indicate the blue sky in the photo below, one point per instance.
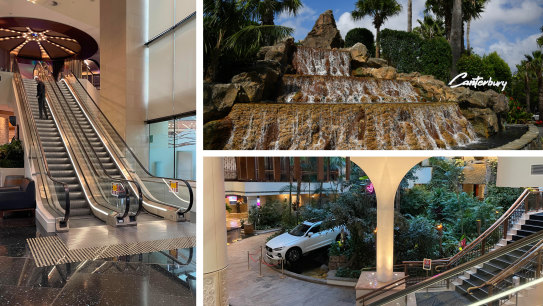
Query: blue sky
509,27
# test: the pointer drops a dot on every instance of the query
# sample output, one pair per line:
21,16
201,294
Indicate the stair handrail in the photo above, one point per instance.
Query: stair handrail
390,286
479,240
30,117
512,268
461,268
68,73
46,73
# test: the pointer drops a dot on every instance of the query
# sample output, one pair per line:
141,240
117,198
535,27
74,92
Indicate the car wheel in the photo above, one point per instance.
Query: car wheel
293,255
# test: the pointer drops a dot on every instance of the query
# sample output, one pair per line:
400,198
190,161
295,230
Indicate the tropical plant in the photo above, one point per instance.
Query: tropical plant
230,28
409,15
266,216
472,11
497,67
525,73
456,37
517,114
401,49
430,27
265,10
12,154
540,39
419,240
380,11
536,65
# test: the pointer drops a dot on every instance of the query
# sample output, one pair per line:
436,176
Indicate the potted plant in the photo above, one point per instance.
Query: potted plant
248,229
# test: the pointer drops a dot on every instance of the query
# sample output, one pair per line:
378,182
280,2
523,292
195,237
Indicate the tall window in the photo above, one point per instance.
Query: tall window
172,88
172,148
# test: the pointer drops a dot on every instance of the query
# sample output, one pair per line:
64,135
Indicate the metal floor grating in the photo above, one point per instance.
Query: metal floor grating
52,250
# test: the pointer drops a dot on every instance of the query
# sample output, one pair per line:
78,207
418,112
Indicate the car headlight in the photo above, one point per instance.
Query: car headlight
278,249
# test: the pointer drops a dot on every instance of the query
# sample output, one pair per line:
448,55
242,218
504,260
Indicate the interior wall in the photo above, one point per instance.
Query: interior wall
122,56
516,172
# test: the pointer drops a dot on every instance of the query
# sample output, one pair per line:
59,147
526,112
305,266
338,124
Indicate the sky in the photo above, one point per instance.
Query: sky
509,27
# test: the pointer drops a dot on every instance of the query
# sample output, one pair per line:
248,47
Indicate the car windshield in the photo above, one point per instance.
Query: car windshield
299,230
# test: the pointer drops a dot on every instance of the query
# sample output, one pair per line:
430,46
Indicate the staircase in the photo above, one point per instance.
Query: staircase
59,163
86,127
479,275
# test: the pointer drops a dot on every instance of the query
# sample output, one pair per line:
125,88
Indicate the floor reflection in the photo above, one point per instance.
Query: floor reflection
160,278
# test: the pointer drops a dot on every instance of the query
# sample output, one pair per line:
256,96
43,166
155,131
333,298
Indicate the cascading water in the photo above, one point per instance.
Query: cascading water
323,107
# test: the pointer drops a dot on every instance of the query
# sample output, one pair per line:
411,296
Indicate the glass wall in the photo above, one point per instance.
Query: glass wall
172,148
172,89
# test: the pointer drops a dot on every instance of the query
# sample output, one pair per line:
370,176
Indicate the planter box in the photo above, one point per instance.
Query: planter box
335,262
248,229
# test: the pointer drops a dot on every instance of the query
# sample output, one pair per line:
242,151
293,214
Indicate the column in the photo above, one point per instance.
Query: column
214,246
386,173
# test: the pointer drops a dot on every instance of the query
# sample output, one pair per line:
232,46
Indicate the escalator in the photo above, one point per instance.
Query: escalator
484,268
60,164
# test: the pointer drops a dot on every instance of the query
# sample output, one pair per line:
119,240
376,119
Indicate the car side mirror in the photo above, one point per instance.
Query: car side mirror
309,234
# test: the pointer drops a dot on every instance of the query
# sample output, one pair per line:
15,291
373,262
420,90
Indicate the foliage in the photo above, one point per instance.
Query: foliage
228,207
401,49
379,10
12,155
414,201
446,173
233,35
430,27
348,272
420,240
266,216
360,35
436,58
517,113
473,64
497,67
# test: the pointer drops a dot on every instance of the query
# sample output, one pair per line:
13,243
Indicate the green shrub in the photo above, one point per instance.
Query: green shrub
12,155
497,68
347,272
414,201
473,64
401,49
517,114
266,216
361,35
419,241
436,58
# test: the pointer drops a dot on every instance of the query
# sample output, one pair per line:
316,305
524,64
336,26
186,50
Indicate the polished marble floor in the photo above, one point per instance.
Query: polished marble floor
162,278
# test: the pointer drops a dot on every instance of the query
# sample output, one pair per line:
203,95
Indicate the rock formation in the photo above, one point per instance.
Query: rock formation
324,34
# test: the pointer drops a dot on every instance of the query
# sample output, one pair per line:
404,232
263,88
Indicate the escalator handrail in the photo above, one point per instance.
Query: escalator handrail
30,118
488,231
461,268
187,184
512,268
122,181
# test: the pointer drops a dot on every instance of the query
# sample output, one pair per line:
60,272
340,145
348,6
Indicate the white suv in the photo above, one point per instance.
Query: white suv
305,237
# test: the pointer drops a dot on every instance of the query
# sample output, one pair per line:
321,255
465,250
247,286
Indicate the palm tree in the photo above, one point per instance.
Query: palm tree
536,66
472,11
456,35
524,72
380,11
444,8
265,10
430,27
540,39
409,15
230,27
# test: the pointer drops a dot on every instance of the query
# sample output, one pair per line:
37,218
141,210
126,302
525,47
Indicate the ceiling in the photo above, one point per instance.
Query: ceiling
83,15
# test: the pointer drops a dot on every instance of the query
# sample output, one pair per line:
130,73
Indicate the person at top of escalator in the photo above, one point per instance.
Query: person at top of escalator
40,94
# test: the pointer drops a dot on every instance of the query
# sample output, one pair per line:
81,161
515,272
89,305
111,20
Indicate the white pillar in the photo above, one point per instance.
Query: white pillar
214,248
386,173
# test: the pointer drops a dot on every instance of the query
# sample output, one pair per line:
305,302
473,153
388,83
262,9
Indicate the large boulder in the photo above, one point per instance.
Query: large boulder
374,62
219,99
217,133
281,52
467,98
324,34
384,73
483,120
259,83
498,102
359,53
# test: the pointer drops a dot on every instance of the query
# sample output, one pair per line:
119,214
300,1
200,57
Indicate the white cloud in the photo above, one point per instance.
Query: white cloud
305,15
399,22
513,52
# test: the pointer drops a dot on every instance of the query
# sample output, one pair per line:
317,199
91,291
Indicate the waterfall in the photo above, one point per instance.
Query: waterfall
329,89
407,126
311,61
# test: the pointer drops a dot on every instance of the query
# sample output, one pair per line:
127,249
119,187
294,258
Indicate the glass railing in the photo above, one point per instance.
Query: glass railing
55,192
108,192
158,191
454,284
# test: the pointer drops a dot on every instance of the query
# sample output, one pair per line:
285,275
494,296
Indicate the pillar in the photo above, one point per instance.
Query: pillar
386,173
123,32
214,226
